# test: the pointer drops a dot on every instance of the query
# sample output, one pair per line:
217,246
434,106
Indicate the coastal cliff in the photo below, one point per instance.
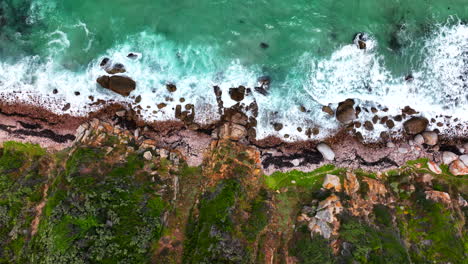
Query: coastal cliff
116,192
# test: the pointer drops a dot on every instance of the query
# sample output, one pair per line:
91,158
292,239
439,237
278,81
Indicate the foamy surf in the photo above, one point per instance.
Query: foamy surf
439,88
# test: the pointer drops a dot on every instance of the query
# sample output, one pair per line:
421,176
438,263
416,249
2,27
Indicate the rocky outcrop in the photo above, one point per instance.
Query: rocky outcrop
415,125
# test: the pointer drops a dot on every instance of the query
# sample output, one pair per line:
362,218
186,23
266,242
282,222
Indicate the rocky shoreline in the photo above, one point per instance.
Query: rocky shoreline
28,123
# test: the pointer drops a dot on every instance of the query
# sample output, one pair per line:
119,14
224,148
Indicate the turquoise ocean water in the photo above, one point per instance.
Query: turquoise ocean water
310,58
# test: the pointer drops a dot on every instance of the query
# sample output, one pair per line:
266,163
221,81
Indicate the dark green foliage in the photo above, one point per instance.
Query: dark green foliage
20,189
210,236
368,244
99,213
383,216
309,250
258,218
432,231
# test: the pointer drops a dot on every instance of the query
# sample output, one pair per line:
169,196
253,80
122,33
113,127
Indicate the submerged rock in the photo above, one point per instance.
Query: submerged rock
415,125
115,68
360,40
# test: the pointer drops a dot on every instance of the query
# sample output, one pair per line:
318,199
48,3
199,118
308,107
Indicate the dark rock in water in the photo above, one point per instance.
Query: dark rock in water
138,99
368,125
415,125
374,110
132,55
77,93
409,78
264,45
119,84
409,111
264,80
171,87
103,81
116,68
398,118
104,62
261,90
383,120
55,91
360,40
328,110
390,124
277,126
66,107
345,112
237,94
357,124
394,43
375,119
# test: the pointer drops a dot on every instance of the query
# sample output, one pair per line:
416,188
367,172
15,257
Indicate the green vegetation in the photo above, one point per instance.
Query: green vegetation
369,244
21,185
311,250
258,218
432,229
108,207
211,237
302,179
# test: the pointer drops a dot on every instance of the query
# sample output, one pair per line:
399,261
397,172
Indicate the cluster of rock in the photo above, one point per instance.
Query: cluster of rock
120,84
98,133
348,196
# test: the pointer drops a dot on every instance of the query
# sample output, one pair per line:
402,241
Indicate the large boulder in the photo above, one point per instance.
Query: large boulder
415,125
119,84
103,81
326,151
345,112
237,94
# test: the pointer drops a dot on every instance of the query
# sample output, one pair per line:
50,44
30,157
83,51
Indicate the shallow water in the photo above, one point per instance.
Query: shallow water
58,44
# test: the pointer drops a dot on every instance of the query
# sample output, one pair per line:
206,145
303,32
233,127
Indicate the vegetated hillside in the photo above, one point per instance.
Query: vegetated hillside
112,199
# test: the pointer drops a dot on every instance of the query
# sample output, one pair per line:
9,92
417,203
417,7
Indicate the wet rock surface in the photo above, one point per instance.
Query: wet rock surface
345,113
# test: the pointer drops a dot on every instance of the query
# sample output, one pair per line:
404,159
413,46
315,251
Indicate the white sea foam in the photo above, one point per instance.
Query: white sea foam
437,89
